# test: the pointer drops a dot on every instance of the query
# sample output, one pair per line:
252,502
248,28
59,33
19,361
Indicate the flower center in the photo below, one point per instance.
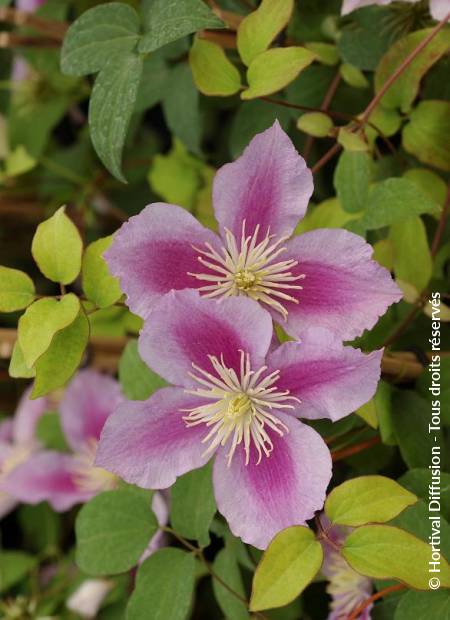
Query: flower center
252,269
88,477
240,407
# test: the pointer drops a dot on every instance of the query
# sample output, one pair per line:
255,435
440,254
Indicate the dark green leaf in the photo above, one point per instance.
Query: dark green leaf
111,107
226,567
164,587
181,107
138,381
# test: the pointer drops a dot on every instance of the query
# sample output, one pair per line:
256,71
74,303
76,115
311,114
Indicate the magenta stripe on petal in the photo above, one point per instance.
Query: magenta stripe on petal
148,443
153,253
284,489
269,186
184,329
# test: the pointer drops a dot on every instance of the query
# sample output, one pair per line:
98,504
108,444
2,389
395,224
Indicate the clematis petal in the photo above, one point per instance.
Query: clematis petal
351,5
269,185
46,476
343,290
439,9
148,443
153,252
6,430
284,489
160,509
184,329
88,400
7,504
330,380
27,416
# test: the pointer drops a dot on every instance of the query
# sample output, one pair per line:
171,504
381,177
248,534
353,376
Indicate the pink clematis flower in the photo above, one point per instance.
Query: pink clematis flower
18,443
347,588
64,479
236,400
438,8
325,277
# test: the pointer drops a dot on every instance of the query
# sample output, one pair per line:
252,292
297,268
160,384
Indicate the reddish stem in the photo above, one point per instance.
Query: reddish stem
354,615
338,455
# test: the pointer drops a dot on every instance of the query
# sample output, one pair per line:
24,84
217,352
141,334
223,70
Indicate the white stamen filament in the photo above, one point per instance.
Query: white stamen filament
241,407
88,477
250,270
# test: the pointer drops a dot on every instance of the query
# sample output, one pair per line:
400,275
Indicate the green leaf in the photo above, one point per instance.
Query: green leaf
213,73
412,257
226,567
16,290
17,366
326,53
315,124
427,135
138,381
192,504
429,182
169,20
274,69
181,107
288,565
14,566
423,606
164,587
62,358
410,419
353,76
41,526
417,481
111,107
154,81
57,248
101,33
257,31
327,214
404,90
113,530
394,200
41,321
367,499
18,162
352,177
385,552
351,141
49,432
99,285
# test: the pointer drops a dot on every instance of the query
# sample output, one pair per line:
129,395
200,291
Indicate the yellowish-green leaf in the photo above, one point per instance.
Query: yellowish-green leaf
17,367
213,73
385,552
16,290
351,141
62,358
367,499
274,69
412,257
353,76
326,53
99,285
429,182
18,162
257,31
404,90
57,248
41,321
288,565
368,413
317,124
427,135
327,214
383,253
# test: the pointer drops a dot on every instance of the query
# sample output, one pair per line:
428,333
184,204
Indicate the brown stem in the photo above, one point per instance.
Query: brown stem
51,28
331,91
326,158
323,534
357,612
404,65
338,455
10,40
